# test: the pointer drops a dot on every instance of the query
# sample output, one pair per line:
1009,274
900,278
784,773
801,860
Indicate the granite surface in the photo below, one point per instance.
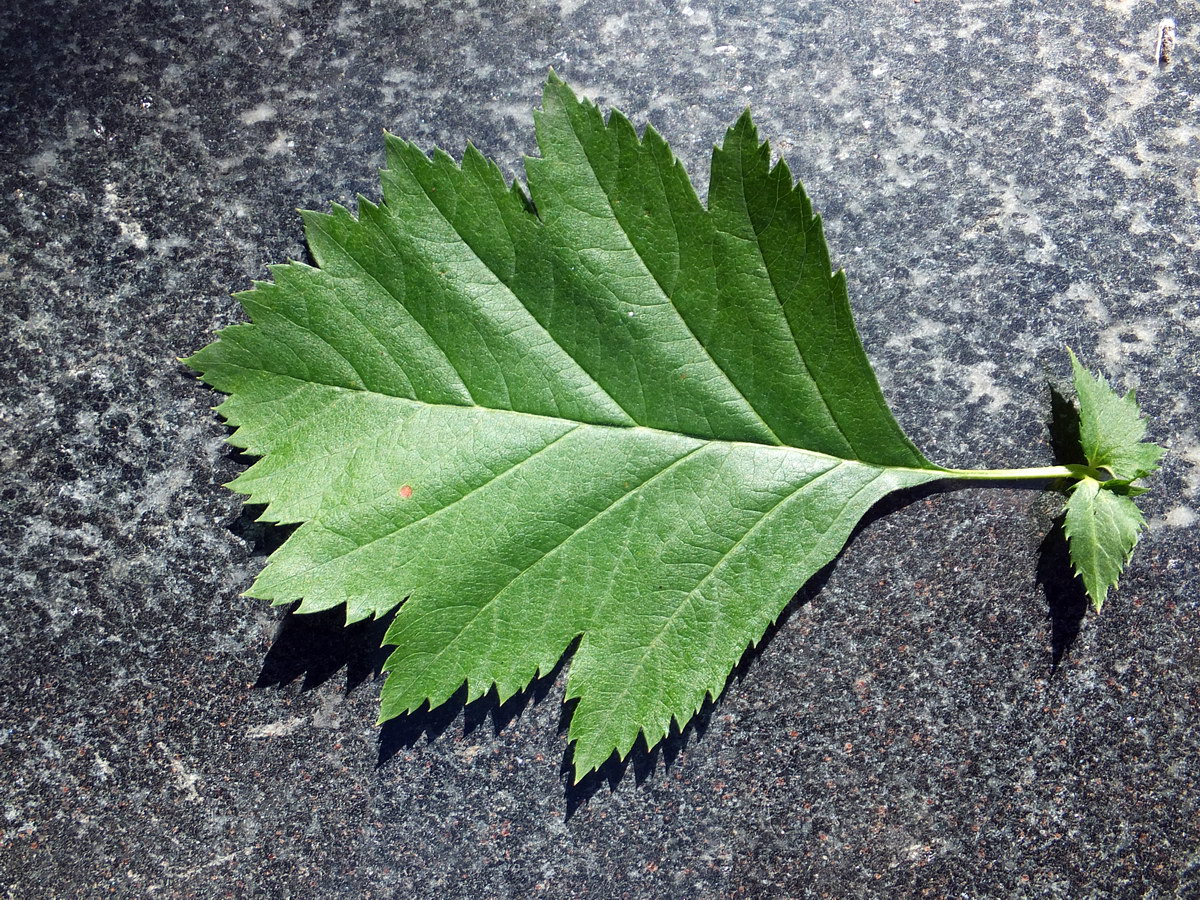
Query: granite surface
934,716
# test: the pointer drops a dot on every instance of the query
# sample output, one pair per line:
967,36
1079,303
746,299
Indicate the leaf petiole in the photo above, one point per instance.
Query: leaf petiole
1031,474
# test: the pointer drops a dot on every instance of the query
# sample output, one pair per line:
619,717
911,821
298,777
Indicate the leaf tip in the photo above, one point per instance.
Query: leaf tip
744,128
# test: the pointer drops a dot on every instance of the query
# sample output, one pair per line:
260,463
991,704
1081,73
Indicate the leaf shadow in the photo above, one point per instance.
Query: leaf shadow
264,537
1066,598
1064,429
405,731
316,646
311,647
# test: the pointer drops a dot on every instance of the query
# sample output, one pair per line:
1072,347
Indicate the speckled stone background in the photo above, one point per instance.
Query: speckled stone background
931,718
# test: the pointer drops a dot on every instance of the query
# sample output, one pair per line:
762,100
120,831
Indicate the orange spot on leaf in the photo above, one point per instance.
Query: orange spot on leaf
406,491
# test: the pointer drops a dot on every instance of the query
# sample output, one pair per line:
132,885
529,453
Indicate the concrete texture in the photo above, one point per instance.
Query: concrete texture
935,716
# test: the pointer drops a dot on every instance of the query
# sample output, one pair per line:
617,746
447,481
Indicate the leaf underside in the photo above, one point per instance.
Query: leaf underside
600,411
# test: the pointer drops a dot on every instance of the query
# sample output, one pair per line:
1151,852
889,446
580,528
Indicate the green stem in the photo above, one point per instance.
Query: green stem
1032,474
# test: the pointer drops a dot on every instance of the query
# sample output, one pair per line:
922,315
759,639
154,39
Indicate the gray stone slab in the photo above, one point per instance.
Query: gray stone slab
999,179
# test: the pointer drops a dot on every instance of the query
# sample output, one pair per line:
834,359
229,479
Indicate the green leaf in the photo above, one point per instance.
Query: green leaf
600,414
624,418
1111,428
1102,527
1102,522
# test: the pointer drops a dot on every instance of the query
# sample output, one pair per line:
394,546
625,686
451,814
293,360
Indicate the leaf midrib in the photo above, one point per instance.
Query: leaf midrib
646,429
